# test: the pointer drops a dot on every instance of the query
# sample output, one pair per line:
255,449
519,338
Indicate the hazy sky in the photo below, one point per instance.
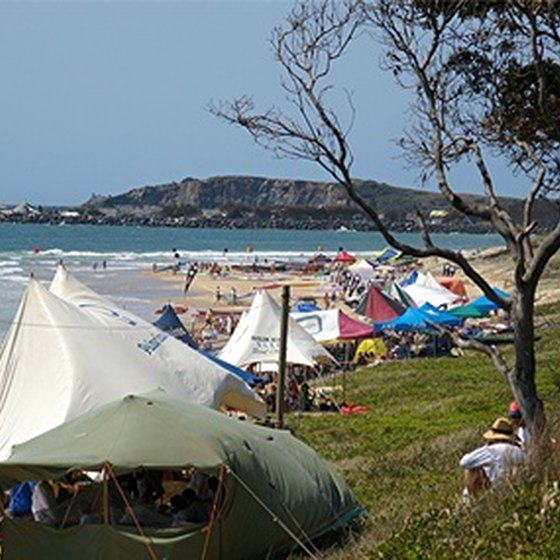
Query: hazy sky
102,97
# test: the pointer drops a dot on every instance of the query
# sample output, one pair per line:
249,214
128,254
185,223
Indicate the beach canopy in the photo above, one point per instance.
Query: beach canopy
387,254
426,289
170,323
420,319
468,311
64,356
364,269
344,257
332,324
272,481
378,306
257,338
453,284
484,303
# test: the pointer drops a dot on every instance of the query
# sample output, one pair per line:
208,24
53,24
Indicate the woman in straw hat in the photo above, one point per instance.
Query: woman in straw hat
494,460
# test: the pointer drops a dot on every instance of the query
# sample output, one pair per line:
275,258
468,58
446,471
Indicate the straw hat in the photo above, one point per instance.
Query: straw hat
502,430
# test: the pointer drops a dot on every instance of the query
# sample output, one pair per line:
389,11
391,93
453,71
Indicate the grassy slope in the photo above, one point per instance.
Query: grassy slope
401,459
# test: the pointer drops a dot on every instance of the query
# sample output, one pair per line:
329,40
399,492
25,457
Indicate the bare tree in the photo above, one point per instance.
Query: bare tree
486,79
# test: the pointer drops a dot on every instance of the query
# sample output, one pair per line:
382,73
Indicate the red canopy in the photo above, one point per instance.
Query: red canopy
379,307
344,257
351,328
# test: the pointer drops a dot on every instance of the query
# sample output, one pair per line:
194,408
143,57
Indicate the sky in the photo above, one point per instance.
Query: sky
102,97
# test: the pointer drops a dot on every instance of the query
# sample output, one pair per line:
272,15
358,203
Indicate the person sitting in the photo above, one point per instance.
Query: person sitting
487,465
188,509
43,504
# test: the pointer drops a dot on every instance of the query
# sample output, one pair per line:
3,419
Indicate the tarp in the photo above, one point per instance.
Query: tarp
484,303
272,482
332,324
60,359
378,306
257,337
418,319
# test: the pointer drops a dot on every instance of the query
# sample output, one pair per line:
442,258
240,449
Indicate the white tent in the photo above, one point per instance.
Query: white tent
426,289
59,360
364,269
257,338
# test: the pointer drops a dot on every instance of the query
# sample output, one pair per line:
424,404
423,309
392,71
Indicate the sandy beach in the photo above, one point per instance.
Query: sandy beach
493,264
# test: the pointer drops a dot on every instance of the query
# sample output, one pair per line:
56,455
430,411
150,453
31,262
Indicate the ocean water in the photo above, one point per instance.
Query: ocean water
37,249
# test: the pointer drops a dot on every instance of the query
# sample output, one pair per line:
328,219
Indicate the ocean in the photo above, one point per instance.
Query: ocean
37,249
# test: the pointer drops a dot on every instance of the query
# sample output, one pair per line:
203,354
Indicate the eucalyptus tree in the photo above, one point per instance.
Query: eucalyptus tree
485,79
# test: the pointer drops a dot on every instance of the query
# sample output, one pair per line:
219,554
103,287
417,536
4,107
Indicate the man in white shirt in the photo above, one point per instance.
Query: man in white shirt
493,461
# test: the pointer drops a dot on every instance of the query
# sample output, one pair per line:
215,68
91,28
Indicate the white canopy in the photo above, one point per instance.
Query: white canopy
426,289
257,337
62,358
364,269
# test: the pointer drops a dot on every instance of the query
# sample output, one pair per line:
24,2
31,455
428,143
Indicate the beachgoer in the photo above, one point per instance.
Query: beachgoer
233,295
218,294
192,510
494,461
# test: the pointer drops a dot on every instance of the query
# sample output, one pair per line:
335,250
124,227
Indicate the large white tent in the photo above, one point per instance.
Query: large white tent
256,338
426,289
61,358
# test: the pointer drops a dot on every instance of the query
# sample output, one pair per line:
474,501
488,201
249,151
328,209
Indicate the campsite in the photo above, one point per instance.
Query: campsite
386,451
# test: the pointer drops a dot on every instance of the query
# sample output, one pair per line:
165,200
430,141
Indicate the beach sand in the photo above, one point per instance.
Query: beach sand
493,264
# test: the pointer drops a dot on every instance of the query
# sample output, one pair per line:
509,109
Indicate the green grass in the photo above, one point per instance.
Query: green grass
401,458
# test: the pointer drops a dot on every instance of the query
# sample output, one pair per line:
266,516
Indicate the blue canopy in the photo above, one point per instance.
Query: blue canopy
305,307
171,324
249,378
420,319
484,303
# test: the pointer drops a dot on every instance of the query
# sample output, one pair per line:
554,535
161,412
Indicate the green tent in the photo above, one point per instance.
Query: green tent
278,491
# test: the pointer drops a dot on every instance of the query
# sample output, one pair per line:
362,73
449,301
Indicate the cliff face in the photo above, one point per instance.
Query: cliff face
255,202
218,192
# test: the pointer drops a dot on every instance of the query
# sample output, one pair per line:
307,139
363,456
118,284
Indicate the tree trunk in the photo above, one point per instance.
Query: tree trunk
522,376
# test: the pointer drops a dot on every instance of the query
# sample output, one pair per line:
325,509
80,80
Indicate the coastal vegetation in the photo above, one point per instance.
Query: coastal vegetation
402,458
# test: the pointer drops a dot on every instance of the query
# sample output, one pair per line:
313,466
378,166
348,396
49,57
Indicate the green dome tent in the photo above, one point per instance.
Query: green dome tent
278,492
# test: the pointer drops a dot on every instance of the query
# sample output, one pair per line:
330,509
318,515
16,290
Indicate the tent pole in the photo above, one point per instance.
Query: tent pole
105,494
282,357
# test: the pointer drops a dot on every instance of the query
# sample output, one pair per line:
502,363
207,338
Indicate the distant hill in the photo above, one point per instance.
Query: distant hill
237,201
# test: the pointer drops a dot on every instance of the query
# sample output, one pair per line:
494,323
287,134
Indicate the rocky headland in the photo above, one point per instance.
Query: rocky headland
255,202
